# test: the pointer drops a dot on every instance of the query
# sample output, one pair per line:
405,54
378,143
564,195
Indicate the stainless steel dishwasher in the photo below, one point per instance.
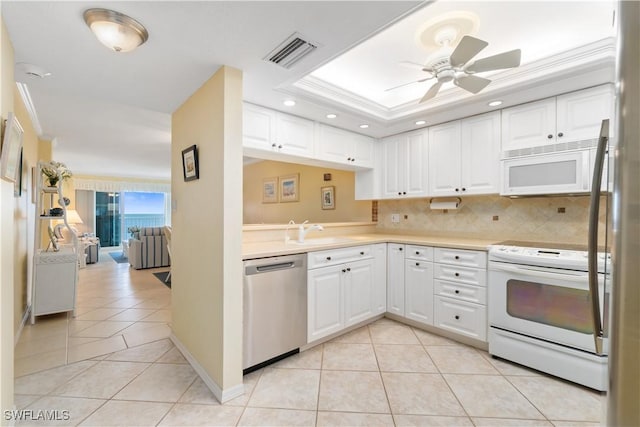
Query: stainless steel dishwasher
275,308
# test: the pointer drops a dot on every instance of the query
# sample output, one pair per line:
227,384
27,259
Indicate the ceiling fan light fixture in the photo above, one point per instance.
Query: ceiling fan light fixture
115,30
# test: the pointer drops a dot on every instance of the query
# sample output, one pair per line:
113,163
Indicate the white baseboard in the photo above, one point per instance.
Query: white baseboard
220,394
25,319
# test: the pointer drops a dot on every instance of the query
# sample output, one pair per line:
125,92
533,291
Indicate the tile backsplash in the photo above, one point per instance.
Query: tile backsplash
549,219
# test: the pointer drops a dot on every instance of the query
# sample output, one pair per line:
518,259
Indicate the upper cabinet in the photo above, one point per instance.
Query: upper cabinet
464,156
273,132
344,147
404,165
571,117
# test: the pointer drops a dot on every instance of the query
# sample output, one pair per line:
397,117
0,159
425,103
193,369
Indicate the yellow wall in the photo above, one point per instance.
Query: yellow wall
206,270
309,207
7,229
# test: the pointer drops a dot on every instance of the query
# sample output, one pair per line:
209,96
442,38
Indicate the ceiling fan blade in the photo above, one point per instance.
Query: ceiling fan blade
410,83
500,61
433,91
466,49
473,84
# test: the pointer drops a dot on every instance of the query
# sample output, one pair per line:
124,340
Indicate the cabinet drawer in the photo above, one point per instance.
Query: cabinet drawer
452,273
461,257
338,256
461,317
421,253
461,291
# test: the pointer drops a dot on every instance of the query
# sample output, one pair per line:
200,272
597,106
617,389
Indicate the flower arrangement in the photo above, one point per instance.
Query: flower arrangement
55,171
133,230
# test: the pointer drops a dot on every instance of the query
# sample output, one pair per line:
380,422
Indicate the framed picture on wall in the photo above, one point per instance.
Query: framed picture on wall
289,186
328,197
190,163
270,190
11,157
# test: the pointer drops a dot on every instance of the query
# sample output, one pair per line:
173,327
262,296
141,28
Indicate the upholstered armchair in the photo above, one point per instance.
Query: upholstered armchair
149,249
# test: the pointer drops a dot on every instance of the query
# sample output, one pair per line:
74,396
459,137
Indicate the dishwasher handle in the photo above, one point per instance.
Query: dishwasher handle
251,270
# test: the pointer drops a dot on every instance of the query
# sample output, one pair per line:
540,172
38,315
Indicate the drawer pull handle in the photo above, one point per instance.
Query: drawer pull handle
328,258
417,264
457,291
362,253
399,249
349,269
457,274
457,317
457,257
344,271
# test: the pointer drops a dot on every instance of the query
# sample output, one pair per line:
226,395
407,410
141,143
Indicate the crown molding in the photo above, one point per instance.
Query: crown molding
30,107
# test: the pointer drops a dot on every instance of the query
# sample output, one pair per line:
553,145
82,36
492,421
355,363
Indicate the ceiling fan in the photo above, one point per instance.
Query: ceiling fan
448,64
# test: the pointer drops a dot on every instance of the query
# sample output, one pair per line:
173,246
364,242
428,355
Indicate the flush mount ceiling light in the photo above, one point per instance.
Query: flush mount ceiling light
421,122
331,116
494,103
115,30
364,126
289,102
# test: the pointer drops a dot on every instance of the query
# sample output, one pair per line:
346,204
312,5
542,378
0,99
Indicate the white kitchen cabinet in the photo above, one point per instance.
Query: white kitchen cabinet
460,282
324,310
273,133
341,294
380,278
418,285
395,278
464,156
344,147
571,117
404,165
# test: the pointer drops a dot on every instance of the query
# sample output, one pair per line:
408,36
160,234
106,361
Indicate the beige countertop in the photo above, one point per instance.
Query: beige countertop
275,248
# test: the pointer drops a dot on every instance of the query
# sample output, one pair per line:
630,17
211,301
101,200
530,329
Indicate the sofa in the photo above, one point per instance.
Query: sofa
148,249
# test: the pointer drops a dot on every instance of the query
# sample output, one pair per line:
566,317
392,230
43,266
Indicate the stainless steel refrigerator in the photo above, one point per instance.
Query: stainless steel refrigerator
623,398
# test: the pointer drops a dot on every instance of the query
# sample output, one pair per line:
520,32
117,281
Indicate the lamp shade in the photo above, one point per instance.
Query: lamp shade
73,217
115,30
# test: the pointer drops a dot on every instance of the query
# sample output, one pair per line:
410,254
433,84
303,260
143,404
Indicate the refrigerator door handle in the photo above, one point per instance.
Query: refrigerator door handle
594,215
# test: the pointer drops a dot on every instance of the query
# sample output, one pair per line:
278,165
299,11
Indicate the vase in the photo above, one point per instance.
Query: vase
53,182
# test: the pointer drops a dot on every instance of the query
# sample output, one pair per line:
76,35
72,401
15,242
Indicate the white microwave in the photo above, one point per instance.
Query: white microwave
567,172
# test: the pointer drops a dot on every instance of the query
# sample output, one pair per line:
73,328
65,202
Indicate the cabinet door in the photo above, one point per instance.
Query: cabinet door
333,144
359,291
294,135
362,151
324,287
580,114
392,153
395,278
445,159
418,284
258,127
480,144
461,317
380,278
415,165
529,125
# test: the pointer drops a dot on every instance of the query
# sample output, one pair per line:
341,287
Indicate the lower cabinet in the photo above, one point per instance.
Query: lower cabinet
346,293
395,278
461,317
418,288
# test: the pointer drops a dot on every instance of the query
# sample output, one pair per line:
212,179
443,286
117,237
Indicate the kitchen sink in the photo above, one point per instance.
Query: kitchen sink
322,241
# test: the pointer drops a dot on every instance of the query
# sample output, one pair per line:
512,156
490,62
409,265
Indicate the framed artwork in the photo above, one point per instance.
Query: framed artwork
17,186
328,197
33,184
270,190
190,163
289,186
10,160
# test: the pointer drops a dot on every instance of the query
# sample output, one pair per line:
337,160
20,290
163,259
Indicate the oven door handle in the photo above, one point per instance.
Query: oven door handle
570,277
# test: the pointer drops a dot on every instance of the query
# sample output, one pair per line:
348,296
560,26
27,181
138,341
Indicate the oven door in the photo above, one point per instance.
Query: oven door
546,303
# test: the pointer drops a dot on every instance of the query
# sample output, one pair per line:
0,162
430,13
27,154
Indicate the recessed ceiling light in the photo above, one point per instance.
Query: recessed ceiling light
289,102
494,103
364,126
331,116
421,122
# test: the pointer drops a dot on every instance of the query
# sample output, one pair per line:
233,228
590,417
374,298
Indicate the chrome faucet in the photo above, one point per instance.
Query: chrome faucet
303,231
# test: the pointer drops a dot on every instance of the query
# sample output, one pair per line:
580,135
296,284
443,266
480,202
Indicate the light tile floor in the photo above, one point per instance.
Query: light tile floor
113,365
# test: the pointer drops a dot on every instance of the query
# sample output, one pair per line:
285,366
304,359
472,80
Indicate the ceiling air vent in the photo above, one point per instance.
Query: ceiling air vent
290,51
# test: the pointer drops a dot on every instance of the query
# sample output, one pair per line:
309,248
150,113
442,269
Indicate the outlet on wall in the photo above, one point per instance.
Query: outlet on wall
395,217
